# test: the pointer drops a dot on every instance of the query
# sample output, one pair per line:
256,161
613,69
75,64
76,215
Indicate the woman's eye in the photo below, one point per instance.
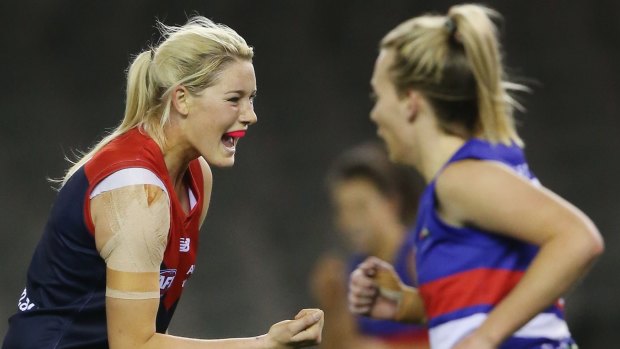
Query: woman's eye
234,99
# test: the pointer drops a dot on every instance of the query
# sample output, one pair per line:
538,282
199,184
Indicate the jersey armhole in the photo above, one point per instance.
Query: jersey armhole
127,177
121,178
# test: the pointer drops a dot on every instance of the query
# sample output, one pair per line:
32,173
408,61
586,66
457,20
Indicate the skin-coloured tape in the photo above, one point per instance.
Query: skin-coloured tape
133,223
113,293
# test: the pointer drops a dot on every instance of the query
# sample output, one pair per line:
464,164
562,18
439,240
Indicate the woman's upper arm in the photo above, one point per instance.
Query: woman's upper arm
492,197
208,184
131,234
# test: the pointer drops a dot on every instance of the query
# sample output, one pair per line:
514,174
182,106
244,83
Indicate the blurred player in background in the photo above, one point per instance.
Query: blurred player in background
122,237
375,202
495,250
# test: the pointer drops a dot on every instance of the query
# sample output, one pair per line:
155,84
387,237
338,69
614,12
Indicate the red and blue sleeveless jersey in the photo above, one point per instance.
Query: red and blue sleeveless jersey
463,272
63,304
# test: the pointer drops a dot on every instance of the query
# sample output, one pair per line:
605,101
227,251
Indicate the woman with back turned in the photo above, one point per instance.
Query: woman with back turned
121,240
495,251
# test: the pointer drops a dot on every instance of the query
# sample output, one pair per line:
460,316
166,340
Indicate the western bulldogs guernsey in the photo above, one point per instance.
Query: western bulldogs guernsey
464,272
63,304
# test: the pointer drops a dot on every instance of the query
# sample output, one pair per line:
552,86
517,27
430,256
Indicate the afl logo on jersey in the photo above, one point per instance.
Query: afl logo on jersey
166,277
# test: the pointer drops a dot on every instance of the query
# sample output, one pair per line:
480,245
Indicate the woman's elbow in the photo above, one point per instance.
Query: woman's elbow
591,241
597,244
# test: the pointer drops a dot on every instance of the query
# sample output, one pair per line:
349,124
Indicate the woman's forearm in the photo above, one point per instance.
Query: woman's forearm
558,265
159,340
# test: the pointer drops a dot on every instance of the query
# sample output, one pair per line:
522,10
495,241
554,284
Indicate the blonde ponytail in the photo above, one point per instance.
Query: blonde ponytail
192,55
455,62
141,94
478,35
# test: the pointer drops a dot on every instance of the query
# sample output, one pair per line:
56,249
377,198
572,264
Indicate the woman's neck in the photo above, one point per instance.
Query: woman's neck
436,153
177,156
177,160
434,147
176,163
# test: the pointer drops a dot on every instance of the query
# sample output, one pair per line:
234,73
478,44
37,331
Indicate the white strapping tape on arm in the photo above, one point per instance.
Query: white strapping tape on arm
137,218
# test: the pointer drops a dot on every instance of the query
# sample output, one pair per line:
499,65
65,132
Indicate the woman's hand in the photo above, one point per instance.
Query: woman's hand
374,289
305,330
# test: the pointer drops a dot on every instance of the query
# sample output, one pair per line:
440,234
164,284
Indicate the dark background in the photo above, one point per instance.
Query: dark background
62,66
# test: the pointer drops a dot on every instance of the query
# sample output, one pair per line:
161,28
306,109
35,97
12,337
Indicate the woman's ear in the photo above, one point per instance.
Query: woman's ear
412,105
180,100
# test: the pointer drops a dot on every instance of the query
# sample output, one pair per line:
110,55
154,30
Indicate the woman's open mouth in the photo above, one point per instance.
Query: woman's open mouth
230,139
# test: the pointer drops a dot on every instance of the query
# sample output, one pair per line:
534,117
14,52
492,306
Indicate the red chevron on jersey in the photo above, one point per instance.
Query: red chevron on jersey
456,292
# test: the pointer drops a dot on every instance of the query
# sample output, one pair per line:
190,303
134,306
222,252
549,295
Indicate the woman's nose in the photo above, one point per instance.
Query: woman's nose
248,117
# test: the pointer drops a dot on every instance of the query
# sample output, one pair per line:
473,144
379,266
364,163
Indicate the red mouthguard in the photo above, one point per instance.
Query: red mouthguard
236,134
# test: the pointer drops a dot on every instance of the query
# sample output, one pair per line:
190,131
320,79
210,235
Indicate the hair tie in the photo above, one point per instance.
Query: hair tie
450,26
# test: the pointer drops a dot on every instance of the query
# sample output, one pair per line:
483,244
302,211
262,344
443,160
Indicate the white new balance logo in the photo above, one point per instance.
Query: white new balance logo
184,245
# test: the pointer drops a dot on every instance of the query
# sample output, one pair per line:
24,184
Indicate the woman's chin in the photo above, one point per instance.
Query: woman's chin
223,162
220,164
219,160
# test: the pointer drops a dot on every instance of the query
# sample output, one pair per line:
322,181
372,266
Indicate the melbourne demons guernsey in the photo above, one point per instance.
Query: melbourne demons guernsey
464,272
63,304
